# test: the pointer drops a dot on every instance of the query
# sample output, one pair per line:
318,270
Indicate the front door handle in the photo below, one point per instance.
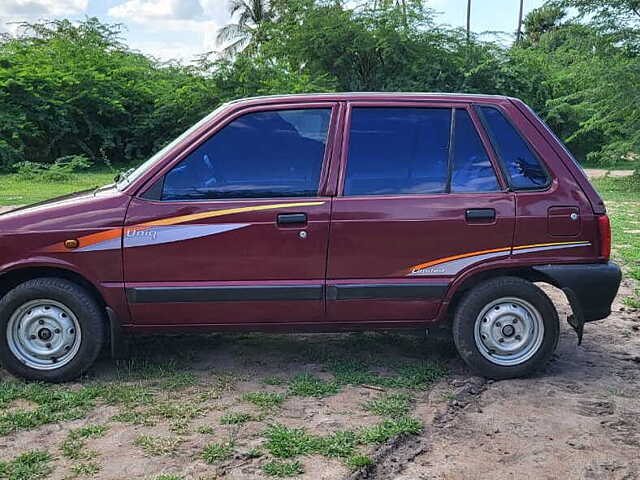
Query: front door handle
292,219
480,215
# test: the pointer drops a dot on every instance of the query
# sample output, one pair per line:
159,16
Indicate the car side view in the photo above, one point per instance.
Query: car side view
324,212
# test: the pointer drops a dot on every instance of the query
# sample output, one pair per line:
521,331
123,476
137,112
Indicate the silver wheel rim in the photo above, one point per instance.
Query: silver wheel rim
44,334
509,331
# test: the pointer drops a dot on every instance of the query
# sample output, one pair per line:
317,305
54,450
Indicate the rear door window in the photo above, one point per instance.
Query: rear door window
522,166
398,151
472,170
259,155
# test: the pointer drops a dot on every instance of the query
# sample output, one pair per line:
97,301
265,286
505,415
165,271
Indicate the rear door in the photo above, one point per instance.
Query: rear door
419,202
238,230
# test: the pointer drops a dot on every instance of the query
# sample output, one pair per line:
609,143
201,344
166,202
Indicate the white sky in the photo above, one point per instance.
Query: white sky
181,29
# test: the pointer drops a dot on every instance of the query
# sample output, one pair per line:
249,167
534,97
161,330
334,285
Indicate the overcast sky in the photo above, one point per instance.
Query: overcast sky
184,28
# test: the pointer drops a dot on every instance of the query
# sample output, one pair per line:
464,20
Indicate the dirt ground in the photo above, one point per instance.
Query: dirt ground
577,419
333,407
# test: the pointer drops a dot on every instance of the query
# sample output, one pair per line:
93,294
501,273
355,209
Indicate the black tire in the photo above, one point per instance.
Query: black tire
474,303
90,318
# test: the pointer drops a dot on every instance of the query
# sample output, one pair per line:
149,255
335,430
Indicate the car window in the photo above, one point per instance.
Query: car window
398,151
259,155
522,166
472,170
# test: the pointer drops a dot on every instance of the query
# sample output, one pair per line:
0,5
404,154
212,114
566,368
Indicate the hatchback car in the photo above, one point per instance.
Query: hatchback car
332,212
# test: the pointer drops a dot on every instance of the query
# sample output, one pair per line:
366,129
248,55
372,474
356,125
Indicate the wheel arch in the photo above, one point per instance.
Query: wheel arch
14,277
466,283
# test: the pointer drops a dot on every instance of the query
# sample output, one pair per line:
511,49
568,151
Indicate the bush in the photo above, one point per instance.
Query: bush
62,170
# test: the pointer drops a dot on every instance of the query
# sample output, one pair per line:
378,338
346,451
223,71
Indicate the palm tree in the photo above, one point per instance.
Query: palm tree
252,13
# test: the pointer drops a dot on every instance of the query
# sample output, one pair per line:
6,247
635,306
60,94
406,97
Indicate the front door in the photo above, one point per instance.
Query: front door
239,232
419,202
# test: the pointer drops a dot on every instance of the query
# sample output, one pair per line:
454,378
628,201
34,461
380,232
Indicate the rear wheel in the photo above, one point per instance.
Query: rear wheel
506,327
50,329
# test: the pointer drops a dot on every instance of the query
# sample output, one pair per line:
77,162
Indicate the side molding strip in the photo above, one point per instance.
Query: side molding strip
225,294
386,291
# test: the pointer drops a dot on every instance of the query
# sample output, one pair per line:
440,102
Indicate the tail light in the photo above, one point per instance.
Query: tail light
604,228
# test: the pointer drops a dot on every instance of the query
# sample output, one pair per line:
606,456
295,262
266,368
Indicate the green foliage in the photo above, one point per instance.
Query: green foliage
281,469
390,428
359,461
62,170
306,385
85,469
285,442
157,446
217,452
264,400
75,90
236,418
27,466
390,404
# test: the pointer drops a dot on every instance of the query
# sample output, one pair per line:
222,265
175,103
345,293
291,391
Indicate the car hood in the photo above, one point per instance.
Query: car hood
95,208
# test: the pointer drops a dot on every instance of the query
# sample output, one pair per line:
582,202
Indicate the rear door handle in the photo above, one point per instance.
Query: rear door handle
292,219
478,215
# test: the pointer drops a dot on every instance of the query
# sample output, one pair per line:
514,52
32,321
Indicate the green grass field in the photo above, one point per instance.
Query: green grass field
17,191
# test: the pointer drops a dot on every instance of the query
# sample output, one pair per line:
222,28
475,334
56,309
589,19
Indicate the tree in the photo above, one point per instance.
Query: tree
251,15
541,21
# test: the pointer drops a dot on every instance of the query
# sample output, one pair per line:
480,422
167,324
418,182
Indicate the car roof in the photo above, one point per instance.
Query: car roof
373,96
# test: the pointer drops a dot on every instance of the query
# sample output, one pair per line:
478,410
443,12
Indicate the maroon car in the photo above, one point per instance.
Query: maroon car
327,212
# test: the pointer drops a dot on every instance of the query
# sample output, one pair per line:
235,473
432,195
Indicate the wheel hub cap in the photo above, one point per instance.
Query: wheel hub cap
43,334
509,331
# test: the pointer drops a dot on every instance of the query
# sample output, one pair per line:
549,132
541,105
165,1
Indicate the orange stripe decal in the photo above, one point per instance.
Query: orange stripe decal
457,257
94,238
493,250
534,245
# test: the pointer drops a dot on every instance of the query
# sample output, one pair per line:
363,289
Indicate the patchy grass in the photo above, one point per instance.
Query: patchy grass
306,385
53,404
390,405
255,452
74,445
158,446
412,375
85,469
359,461
382,432
19,191
281,469
264,400
285,442
206,430
622,198
217,452
236,418
274,381
27,466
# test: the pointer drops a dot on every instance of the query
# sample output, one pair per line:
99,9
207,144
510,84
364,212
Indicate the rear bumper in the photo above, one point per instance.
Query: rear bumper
589,287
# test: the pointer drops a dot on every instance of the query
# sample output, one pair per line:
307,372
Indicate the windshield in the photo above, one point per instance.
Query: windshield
133,174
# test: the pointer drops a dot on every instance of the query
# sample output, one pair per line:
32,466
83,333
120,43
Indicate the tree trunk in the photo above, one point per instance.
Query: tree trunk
519,31
468,20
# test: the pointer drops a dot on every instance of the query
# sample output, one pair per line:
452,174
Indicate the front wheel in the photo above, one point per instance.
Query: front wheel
506,327
50,329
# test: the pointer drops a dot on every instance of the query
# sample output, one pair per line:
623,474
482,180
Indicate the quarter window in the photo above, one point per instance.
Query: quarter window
472,170
523,168
398,151
259,155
